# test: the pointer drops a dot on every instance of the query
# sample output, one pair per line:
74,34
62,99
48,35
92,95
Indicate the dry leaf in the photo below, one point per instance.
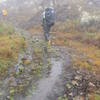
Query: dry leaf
74,83
78,77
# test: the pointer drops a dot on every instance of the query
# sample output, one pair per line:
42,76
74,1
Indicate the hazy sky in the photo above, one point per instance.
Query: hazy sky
2,1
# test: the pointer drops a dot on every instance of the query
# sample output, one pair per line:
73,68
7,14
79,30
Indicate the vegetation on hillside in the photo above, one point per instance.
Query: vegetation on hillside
84,49
10,45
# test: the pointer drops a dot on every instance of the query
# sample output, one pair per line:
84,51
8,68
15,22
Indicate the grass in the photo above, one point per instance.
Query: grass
6,28
85,55
10,46
97,97
84,49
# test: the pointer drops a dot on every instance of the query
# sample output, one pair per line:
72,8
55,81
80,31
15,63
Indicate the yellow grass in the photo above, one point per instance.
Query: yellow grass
90,57
84,55
10,46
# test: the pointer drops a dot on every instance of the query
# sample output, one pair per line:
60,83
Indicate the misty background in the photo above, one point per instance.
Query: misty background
28,13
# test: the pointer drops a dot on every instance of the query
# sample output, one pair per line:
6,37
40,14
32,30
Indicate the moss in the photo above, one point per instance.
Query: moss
62,98
37,50
12,91
97,97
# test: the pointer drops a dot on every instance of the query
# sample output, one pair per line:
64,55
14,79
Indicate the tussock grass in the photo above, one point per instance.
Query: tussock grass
10,46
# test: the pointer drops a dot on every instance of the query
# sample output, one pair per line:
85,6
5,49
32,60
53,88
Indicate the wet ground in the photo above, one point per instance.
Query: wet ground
50,86
58,80
46,84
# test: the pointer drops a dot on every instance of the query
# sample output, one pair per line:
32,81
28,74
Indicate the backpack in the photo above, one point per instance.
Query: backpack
50,16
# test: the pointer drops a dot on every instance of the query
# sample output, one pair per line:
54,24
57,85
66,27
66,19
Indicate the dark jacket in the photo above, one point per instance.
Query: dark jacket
49,16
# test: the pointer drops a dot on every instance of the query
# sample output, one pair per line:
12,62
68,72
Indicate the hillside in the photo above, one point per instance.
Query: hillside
25,12
65,68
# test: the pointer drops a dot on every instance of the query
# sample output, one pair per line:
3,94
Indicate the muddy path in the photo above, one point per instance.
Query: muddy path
46,84
61,79
50,86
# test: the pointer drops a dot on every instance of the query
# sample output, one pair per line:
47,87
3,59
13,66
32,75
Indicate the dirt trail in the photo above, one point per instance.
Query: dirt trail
50,86
47,86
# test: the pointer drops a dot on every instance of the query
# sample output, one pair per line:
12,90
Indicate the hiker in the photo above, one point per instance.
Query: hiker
48,21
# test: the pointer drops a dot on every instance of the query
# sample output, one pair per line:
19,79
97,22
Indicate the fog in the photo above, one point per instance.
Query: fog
21,12
46,59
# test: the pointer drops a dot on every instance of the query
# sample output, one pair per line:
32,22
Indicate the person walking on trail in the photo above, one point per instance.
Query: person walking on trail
49,18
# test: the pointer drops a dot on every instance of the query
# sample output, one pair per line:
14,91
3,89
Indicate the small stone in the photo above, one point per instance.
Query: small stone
91,84
68,86
8,97
71,94
81,93
75,82
78,77
1,93
65,95
78,72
